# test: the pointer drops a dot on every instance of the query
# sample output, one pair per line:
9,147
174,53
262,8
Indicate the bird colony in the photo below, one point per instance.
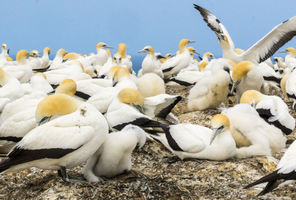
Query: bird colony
94,110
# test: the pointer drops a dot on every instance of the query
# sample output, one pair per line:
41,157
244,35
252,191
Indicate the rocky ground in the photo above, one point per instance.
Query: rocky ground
156,175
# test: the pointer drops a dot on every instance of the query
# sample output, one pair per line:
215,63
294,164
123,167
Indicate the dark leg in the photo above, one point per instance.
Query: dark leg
63,173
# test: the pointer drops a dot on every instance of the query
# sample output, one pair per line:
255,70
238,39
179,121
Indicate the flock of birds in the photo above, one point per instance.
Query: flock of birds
58,114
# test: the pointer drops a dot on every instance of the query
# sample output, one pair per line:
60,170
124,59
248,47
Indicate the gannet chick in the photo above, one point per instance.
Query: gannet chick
173,65
127,108
114,155
253,136
61,143
150,63
261,50
211,90
272,109
22,70
285,171
246,76
290,59
194,141
150,84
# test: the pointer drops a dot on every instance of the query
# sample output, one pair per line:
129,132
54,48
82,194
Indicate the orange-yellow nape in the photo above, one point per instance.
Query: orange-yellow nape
131,96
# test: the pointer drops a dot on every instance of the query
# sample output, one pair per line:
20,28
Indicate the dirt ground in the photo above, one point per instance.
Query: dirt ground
156,175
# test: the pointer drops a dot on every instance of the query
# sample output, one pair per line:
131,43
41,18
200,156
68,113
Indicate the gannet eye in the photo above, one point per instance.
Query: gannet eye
146,49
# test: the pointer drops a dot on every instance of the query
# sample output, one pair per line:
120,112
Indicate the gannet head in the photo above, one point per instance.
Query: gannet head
182,45
192,51
203,65
122,50
219,123
34,54
223,41
251,97
55,105
290,50
239,71
147,49
131,97
9,58
71,56
46,50
102,45
67,86
118,73
62,52
3,46
21,56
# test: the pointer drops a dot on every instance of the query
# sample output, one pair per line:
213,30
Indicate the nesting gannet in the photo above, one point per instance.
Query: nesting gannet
183,58
253,135
127,108
58,59
271,78
167,56
44,61
283,85
211,90
4,51
290,59
280,67
11,88
272,109
285,171
246,76
22,70
114,155
102,56
150,63
61,143
121,77
261,50
194,141
104,70
150,84
121,58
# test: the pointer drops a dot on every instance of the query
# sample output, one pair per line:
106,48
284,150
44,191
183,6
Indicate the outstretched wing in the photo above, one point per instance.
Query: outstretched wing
271,42
214,23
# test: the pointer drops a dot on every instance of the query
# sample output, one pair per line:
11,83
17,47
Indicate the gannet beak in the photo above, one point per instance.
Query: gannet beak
142,51
139,108
196,53
114,83
216,131
284,51
108,47
191,41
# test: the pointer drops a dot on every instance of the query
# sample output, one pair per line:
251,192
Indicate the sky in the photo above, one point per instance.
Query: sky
78,25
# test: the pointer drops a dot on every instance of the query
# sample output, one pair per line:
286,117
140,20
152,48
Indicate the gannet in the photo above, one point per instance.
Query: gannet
272,109
102,56
211,90
283,85
194,141
104,70
150,84
58,59
246,76
10,90
167,56
127,108
253,135
290,59
280,67
44,61
150,63
61,143
22,70
285,171
261,50
114,155
173,65
121,58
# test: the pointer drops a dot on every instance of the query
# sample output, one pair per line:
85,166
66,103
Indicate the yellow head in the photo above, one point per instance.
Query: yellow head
40,74
34,53
100,45
148,50
62,52
239,51
291,50
3,46
118,73
122,50
55,105
182,44
131,96
9,58
46,50
67,86
71,56
192,51
21,55
203,65
251,97
220,120
241,69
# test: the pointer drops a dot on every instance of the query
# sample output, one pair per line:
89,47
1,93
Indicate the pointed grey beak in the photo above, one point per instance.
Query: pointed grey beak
196,53
108,47
284,51
191,41
216,131
234,85
139,108
142,51
114,83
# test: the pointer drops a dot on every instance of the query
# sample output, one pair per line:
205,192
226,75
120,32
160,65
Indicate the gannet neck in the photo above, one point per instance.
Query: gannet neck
122,50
